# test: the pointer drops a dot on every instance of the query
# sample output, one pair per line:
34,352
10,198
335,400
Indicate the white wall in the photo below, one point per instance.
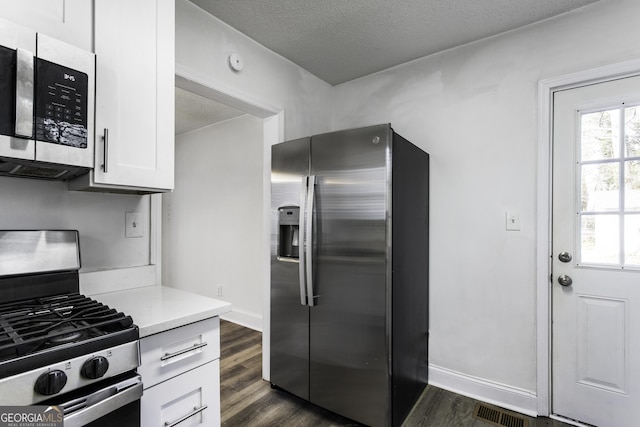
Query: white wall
474,109
212,222
203,44
99,218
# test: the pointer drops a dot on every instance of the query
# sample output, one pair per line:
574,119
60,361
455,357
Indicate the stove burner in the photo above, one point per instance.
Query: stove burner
65,334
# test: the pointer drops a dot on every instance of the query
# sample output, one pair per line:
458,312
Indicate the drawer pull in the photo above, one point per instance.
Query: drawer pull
195,411
183,351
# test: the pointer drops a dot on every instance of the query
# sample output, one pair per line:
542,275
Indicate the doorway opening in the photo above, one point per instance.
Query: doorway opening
216,223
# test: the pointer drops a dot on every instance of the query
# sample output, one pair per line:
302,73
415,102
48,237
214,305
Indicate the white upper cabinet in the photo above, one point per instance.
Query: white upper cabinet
135,63
66,20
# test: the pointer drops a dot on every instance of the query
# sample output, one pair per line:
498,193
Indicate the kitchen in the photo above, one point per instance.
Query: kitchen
483,336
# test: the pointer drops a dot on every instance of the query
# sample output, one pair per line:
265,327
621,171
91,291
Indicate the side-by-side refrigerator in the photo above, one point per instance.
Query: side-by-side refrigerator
349,272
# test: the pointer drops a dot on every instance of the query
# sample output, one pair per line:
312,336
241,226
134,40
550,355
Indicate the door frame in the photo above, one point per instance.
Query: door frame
546,89
273,128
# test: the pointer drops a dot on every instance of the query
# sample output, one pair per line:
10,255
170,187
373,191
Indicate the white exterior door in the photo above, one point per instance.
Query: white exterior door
596,253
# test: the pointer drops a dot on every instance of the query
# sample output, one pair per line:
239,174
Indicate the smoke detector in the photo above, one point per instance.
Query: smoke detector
235,62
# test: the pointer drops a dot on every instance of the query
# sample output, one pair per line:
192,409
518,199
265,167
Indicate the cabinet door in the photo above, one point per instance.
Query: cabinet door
190,399
65,20
135,62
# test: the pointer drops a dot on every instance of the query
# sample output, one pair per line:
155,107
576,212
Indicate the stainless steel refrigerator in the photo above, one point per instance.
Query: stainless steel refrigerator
349,272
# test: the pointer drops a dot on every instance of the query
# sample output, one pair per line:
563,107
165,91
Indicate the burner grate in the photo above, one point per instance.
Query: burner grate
32,325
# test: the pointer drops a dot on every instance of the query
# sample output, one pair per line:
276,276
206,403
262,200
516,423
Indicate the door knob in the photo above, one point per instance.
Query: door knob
565,257
565,280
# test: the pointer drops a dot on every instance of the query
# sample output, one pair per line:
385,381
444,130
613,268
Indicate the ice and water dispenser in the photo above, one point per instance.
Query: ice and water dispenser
288,232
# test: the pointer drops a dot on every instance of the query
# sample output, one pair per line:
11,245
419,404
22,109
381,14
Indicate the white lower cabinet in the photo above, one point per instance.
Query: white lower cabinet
181,375
190,399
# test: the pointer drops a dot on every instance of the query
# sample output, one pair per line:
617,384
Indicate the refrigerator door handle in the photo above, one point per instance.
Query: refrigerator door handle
309,239
302,241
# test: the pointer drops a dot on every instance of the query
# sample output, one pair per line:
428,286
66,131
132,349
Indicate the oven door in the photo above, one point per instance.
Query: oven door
107,403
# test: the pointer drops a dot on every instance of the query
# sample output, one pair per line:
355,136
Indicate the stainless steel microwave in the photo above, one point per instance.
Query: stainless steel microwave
47,102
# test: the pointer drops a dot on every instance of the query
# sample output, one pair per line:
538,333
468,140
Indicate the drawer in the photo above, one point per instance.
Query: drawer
190,399
175,351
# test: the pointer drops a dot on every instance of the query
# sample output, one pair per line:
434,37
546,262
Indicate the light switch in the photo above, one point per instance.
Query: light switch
133,225
513,221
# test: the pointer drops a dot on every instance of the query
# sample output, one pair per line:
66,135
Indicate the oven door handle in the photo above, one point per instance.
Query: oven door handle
102,402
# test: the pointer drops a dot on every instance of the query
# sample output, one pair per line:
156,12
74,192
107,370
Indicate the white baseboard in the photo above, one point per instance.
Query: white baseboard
508,397
568,421
244,319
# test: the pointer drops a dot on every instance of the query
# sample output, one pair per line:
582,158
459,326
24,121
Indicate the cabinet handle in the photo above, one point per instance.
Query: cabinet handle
195,411
183,351
105,157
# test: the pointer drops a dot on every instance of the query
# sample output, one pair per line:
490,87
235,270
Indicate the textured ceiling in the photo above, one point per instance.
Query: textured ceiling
341,40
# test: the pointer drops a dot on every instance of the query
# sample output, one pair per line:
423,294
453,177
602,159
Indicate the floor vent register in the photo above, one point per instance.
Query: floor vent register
498,416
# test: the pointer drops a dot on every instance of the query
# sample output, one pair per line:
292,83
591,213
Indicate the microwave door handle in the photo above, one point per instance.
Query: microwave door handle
302,241
309,239
24,93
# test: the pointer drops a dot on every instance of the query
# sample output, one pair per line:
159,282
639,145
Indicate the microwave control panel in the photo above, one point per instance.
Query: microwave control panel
61,104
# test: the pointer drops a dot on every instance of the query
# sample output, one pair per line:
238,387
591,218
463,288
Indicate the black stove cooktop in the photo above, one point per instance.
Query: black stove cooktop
40,331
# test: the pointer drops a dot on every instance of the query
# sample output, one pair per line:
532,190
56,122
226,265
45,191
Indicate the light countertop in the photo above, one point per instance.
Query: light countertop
158,308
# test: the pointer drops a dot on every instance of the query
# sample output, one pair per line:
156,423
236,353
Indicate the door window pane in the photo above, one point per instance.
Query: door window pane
600,239
632,185
600,135
632,240
632,131
600,187
609,222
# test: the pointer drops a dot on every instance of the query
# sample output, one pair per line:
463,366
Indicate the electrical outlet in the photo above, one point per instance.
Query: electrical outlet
219,290
133,225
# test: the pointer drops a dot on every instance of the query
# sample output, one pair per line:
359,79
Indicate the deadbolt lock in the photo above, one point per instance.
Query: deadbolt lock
565,257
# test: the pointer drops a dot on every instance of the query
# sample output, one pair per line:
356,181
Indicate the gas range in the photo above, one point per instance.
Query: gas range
74,338
58,347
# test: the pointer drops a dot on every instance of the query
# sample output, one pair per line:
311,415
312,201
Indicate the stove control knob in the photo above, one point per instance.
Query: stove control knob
95,367
51,382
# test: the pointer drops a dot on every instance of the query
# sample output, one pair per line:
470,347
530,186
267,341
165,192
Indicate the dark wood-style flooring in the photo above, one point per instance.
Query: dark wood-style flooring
247,400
